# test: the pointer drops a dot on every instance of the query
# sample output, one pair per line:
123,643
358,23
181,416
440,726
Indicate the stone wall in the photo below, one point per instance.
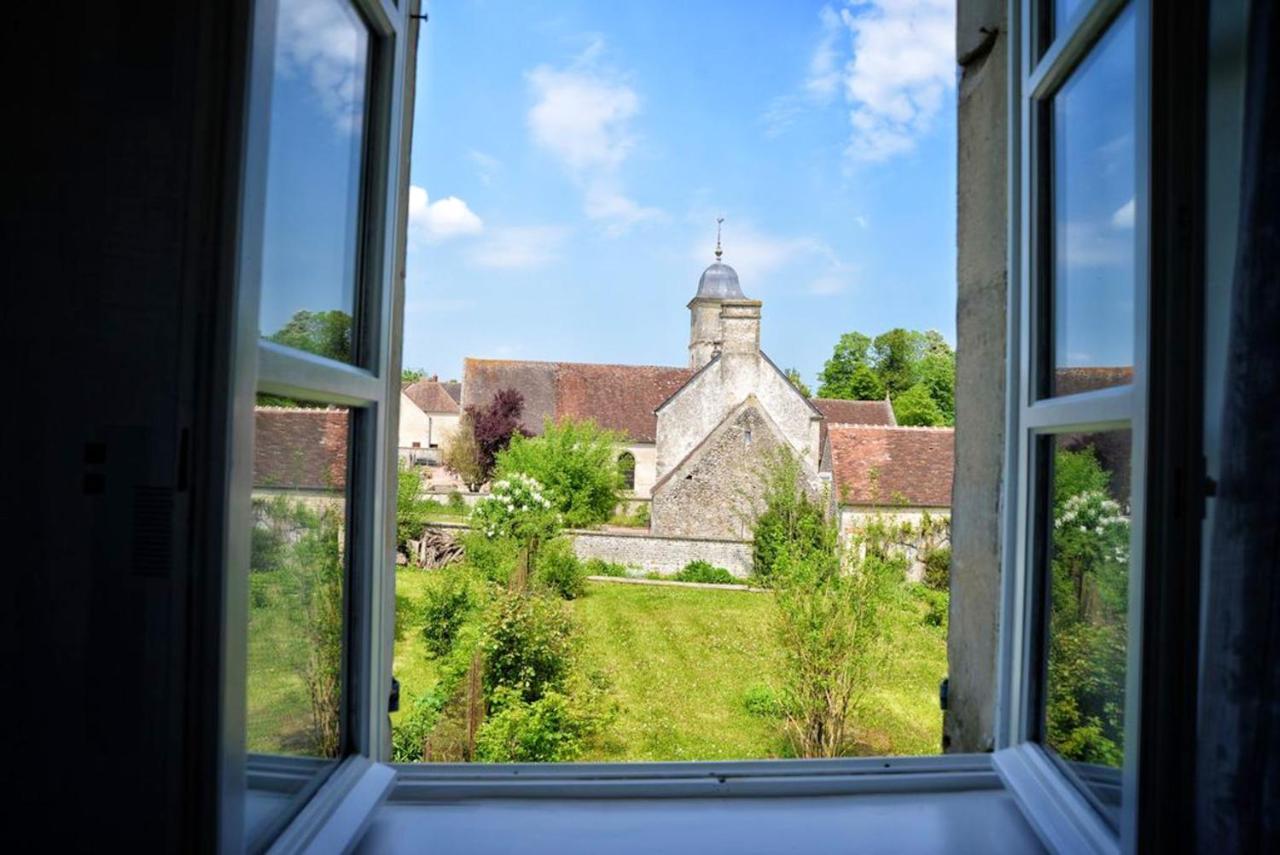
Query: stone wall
666,555
914,546
982,47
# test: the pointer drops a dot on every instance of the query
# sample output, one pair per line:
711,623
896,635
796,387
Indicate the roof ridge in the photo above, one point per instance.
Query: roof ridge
842,425
560,362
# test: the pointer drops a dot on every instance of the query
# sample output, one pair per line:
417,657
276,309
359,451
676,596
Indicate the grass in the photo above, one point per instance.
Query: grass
278,714
683,661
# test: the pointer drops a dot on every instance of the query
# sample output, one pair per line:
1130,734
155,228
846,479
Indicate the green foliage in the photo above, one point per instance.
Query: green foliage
517,508
600,567
529,645
576,463
763,702
793,374
552,729
937,568
463,457
1087,621
322,333
705,571
916,408
492,558
560,571
792,522
831,624
412,375
412,510
449,601
638,517
935,604
836,377
864,369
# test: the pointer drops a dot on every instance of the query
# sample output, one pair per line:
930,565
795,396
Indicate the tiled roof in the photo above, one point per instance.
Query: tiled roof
300,449
454,389
842,412
1072,381
431,396
878,465
617,397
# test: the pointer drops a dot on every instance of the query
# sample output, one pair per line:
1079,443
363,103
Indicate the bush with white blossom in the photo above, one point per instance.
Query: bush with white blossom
517,509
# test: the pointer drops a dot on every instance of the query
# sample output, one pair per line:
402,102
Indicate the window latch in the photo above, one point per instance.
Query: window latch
393,702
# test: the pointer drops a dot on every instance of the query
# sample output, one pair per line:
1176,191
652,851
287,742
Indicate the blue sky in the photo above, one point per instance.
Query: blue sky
570,160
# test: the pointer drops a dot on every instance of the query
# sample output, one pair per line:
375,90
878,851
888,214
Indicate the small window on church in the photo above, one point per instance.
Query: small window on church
627,469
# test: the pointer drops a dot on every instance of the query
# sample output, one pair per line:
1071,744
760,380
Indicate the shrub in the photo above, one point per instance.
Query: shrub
935,605
463,457
937,568
529,645
704,571
412,511
548,730
830,622
637,518
449,601
519,510
492,558
792,522
762,701
266,550
457,504
559,569
600,567
574,462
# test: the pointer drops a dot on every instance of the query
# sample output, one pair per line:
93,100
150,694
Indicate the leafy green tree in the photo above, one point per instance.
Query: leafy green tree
896,357
853,349
576,462
916,408
865,385
793,374
462,455
322,333
792,523
937,372
412,375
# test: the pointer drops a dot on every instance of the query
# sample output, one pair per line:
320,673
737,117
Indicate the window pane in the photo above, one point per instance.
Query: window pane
1093,155
1063,11
296,601
311,232
1088,557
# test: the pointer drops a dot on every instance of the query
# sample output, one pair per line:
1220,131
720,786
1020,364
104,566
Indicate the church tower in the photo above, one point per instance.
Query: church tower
721,318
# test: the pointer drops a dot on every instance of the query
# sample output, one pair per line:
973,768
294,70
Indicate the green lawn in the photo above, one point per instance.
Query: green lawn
278,715
681,660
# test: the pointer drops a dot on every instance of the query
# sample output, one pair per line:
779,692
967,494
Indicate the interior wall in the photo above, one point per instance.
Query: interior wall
116,285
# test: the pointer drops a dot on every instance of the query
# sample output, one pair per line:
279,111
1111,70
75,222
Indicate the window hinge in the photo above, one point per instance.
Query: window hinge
393,702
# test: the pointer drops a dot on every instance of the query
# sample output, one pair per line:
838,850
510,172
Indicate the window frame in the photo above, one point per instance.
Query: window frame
334,806
1055,804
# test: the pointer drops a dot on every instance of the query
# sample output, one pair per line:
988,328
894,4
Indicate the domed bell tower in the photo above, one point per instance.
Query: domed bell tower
721,317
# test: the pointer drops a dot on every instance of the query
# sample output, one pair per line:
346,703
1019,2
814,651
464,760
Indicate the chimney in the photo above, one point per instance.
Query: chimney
740,327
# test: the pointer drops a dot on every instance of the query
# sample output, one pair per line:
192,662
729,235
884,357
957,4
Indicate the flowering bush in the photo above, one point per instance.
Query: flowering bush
517,509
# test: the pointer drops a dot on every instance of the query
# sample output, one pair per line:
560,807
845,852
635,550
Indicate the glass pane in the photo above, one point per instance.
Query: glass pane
311,231
1063,11
296,591
1088,586
1094,179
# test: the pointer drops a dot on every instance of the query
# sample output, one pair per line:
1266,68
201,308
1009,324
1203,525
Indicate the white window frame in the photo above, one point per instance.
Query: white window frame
336,806
1056,806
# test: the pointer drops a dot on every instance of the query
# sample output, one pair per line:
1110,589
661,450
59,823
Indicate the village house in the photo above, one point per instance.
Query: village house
429,416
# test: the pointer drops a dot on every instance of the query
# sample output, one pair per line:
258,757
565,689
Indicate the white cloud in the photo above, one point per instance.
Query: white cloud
582,116
325,44
903,66
443,219
519,247
1123,217
895,66
1093,244
486,165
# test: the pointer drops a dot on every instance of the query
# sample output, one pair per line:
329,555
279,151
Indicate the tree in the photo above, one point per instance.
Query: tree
937,372
518,509
322,333
896,356
574,460
792,523
851,350
865,385
793,374
412,375
462,455
494,426
915,407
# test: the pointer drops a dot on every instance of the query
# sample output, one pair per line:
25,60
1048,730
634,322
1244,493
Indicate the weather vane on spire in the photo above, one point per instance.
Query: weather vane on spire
719,252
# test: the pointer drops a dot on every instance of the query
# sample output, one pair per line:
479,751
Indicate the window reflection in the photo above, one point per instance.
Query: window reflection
1093,272
311,226
296,600
1088,585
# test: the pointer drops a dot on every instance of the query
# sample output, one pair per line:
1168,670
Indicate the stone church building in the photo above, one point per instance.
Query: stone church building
698,435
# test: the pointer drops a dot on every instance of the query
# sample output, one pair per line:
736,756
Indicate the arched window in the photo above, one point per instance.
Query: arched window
627,467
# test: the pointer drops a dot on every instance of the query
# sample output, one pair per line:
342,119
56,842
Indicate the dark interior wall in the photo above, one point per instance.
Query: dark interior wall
117,284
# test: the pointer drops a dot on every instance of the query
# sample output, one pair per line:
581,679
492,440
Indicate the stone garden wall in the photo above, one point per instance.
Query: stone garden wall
666,555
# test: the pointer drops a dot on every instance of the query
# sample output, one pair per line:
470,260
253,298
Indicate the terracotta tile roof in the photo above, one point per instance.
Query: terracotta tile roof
300,449
431,396
892,465
1072,381
617,397
454,389
842,412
